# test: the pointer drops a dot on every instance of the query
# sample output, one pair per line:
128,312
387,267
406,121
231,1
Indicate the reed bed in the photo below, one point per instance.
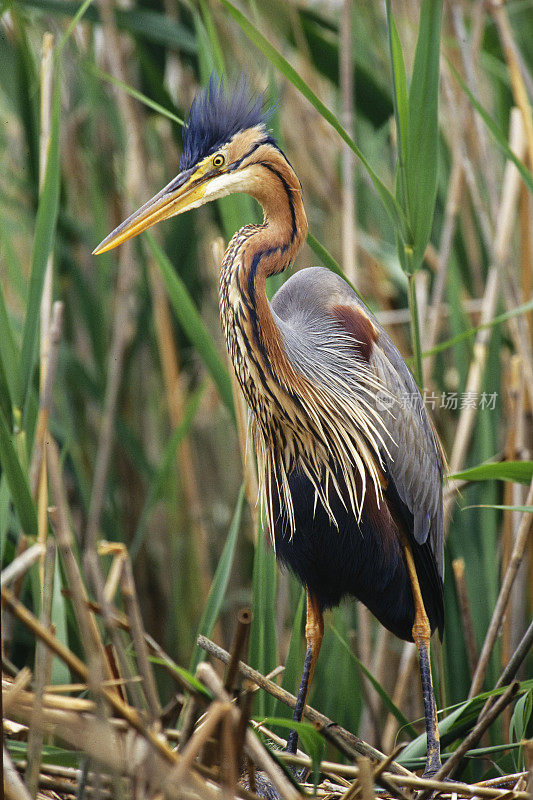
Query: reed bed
150,647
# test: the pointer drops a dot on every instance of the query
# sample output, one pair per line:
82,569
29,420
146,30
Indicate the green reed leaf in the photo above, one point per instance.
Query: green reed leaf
217,593
45,228
193,325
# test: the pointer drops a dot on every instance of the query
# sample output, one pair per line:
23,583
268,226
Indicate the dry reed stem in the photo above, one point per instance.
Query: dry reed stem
57,702
12,697
406,668
458,565
158,744
289,699
66,780
43,671
239,647
21,564
90,635
57,785
213,716
119,552
349,215
38,481
188,719
503,597
521,651
480,140
504,226
526,251
410,780
131,604
170,366
366,782
253,747
229,756
117,655
12,782
123,321
475,734
455,190
519,328
378,661
513,495
518,87
37,469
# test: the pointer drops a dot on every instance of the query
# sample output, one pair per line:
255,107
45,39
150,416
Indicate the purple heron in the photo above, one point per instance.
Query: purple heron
350,466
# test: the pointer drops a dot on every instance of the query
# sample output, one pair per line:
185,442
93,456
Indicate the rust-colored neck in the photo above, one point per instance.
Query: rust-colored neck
255,253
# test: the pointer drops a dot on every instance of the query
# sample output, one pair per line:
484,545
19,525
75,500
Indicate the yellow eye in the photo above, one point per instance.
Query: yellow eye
218,160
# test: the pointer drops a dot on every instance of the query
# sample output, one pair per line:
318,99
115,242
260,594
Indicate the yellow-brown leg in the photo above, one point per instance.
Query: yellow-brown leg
314,633
421,637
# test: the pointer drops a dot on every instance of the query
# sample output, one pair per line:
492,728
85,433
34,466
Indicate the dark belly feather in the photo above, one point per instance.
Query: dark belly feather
359,559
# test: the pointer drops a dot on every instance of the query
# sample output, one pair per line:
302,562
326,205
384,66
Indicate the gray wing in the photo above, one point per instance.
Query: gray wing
414,459
415,462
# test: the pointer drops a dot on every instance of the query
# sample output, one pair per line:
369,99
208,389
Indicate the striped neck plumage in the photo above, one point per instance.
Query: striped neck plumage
295,420
254,253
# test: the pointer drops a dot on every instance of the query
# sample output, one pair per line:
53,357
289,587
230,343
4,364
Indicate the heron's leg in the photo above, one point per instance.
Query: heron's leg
314,633
421,637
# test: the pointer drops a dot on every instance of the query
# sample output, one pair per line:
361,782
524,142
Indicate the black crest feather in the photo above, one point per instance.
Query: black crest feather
216,115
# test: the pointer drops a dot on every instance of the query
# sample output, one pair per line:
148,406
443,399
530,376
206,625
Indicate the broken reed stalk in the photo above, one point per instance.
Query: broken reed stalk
43,671
118,655
18,686
352,741
21,564
238,649
366,783
253,747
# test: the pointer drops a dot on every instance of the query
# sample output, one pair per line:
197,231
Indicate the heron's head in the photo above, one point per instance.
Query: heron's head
226,148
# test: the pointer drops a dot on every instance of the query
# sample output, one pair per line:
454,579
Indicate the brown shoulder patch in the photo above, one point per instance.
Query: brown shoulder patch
358,325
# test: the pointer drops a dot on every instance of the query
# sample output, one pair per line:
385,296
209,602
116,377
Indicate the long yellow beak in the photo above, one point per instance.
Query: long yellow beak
181,193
